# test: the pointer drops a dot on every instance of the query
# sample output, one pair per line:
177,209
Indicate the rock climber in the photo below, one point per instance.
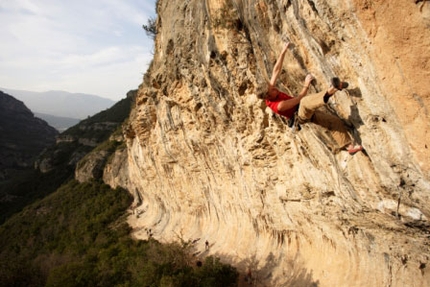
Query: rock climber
307,106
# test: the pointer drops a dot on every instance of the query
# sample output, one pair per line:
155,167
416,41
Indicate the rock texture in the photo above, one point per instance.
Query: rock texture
206,159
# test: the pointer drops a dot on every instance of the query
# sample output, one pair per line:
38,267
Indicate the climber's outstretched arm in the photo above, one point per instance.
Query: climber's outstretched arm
278,66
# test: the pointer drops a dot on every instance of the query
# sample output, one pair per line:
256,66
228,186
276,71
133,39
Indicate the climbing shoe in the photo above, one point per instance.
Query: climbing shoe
338,84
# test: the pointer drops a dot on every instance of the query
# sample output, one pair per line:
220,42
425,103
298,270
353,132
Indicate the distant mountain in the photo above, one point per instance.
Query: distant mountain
61,104
60,123
23,136
20,185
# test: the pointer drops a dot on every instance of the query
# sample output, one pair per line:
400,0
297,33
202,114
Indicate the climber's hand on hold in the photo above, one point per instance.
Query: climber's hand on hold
287,41
287,44
308,80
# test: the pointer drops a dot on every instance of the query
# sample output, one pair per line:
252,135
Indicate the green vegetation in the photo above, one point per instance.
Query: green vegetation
151,28
77,236
21,187
100,126
28,185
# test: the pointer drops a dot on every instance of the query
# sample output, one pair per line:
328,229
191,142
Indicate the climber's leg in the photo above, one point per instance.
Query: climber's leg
309,104
336,128
308,112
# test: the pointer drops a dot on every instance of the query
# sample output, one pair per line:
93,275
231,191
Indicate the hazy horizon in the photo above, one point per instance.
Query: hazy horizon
97,48
61,103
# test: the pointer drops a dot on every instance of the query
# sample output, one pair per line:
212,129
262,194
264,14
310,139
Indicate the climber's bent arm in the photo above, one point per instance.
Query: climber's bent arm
308,80
288,104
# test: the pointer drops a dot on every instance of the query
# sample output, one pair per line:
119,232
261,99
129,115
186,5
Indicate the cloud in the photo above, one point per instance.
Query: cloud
98,58
77,46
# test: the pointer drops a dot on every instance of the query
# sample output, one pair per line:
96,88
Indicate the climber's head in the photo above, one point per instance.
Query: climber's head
272,92
261,92
267,92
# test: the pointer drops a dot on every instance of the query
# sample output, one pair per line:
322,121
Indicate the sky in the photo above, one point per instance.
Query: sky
94,47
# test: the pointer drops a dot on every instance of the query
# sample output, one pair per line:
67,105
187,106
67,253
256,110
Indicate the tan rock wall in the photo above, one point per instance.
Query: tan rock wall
207,160
399,46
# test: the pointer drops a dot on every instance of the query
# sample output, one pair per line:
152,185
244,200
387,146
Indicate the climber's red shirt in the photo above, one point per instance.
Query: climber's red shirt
273,104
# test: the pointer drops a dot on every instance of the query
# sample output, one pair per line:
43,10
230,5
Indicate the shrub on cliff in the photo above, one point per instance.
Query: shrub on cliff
151,28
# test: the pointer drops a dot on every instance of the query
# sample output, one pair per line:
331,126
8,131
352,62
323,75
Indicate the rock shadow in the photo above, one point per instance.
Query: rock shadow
354,120
355,117
294,273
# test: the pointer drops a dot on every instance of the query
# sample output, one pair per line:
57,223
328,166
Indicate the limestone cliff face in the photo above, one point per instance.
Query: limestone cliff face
206,159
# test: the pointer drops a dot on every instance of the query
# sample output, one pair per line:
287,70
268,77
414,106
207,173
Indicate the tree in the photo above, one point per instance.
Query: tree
151,28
